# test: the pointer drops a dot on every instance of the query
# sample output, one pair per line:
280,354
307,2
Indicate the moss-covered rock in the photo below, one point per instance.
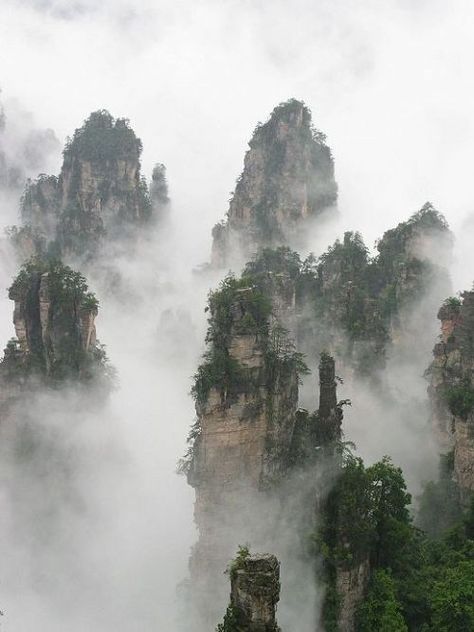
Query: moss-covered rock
54,322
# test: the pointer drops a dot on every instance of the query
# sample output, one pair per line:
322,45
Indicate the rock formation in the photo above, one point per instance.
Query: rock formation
99,195
54,320
452,389
360,308
250,435
317,436
288,179
159,192
373,307
255,592
246,395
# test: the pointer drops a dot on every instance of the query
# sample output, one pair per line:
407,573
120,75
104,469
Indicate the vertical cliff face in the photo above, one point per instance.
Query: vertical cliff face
288,178
255,592
452,388
101,188
317,436
246,398
246,391
39,216
99,197
351,586
159,192
54,318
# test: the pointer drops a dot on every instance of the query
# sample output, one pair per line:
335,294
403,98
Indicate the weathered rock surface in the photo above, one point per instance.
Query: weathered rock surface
351,585
99,195
452,388
242,447
288,179
255,592
54,318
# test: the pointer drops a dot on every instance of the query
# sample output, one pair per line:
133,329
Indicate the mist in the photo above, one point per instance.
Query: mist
104,546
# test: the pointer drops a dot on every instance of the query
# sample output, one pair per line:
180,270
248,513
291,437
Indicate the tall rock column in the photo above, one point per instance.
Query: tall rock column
246,398
452,389
100,196
54,318
288,179
255,592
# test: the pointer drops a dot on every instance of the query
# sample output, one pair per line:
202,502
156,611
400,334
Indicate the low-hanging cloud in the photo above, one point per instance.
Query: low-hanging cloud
390,86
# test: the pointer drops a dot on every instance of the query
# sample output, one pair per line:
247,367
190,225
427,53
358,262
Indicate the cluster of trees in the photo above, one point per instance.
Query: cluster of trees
102,138
418,582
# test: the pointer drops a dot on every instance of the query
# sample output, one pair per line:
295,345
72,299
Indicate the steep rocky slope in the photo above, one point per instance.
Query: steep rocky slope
452,389
250,436
255,591
99,197
362,309
246,395
287,180
55,344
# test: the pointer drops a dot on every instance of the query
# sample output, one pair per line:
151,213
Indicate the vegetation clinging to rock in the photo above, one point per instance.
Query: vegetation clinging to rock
102,138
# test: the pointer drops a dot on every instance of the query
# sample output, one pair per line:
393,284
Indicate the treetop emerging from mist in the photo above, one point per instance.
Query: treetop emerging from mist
66,284
427,219
102,137
289,112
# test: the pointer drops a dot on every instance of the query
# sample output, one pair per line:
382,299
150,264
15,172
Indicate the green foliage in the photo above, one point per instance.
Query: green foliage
232,621
103,138
439,505
219,370
64,283
393,245
417,583
58,353
307,157
243,552
389,502
365,521
243,296
452,301
278,261
185,463
159,186
267,132
236,308
460,399
361,296
344,294
452,599
281,357
284,112
233,618
12,366
380,611
347,530
349,257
